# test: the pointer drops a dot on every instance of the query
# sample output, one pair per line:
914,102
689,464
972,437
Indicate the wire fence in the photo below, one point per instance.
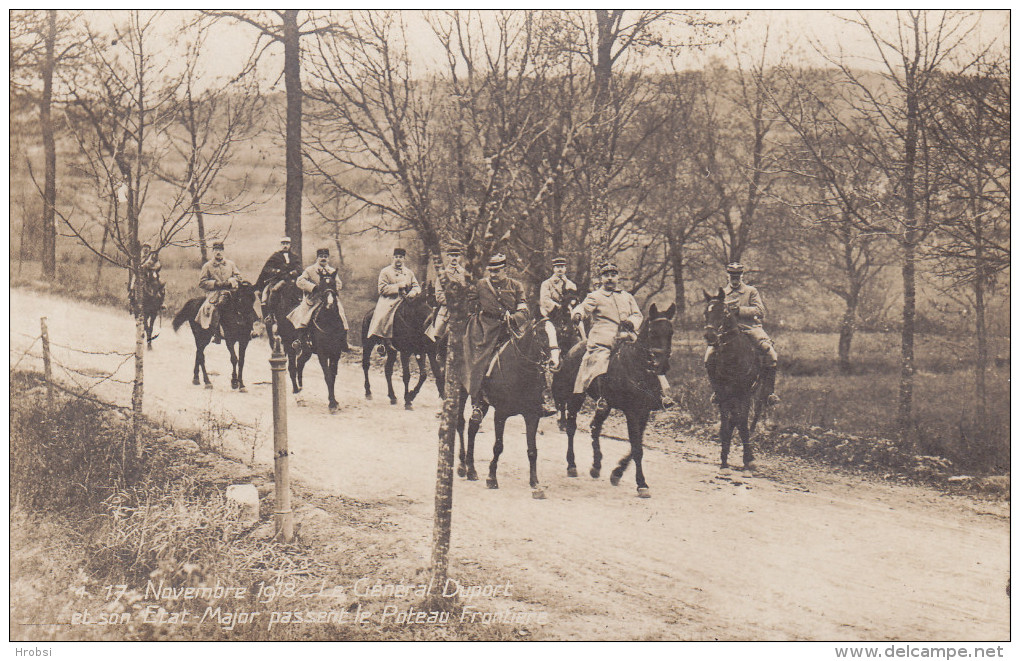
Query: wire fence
60,374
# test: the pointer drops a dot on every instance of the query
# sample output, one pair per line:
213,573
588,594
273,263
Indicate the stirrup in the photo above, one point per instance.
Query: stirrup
476,415
772,399
601,405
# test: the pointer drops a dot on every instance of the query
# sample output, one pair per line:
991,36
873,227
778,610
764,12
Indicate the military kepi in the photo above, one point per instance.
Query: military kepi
497,261
322,252
609,267
454,247
217,245
559,261
399,252
734,267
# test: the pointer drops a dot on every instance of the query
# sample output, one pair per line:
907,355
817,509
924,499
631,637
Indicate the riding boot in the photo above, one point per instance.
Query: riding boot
768,385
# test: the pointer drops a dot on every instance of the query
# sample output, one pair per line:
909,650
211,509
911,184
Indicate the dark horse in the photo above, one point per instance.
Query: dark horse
328,335
409,322
153,293
237,317
631,385
567,336
733,371
514,386
280,304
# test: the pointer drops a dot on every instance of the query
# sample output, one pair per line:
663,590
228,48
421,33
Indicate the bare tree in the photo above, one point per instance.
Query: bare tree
214,118
123,100
41,42
285,27
372,124
604,39
971,126
677,167
889,124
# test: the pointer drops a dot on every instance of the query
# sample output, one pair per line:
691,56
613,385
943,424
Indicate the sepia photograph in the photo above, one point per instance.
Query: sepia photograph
513,325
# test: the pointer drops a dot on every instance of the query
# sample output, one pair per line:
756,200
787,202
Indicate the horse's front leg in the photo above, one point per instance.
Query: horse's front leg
745,437
329,375
497,449
391,358
366,362
292,369
531,425
573,405
596,450
725,432
242,348
472,432
405,375
423,372
636,423
437,372
233,364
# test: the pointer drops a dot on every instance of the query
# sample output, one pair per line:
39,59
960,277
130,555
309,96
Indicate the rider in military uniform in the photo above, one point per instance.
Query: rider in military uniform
612,312
456,273
551,292
281,264
745,303
218,275
310,282
396,282
500,302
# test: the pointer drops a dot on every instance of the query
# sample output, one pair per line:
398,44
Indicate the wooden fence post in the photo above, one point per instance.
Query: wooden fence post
281,460
47,369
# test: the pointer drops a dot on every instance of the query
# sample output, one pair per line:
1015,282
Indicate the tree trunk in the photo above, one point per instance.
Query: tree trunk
676,256
846,333
196,210
295,174
905,418
598,236
981,393
447,435
135,449
49,253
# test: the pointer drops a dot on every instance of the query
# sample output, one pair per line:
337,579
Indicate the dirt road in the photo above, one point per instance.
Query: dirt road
797,553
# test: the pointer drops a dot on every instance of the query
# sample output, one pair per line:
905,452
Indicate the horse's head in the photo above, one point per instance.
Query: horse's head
327,285
537,343
656,335
718,320
566,331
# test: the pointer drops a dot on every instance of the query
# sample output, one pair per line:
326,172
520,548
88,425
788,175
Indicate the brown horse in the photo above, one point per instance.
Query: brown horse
631,384
409,338
733,371
514,386
237,318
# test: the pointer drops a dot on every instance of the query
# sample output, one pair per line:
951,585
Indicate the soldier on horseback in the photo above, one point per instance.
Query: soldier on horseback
396,282
310,282
500,303
745,304
613,313
149,268
280,266
218,276
552,290
456,273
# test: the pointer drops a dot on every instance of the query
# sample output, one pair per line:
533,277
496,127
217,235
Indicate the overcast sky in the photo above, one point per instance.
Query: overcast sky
793,35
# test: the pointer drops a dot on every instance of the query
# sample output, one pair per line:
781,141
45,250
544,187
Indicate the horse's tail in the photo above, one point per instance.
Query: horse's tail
188,312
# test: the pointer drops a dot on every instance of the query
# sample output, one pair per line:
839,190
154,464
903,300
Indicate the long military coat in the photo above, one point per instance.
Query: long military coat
486,328
606,310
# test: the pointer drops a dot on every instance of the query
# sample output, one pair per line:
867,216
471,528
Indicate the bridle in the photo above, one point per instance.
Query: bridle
718,335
